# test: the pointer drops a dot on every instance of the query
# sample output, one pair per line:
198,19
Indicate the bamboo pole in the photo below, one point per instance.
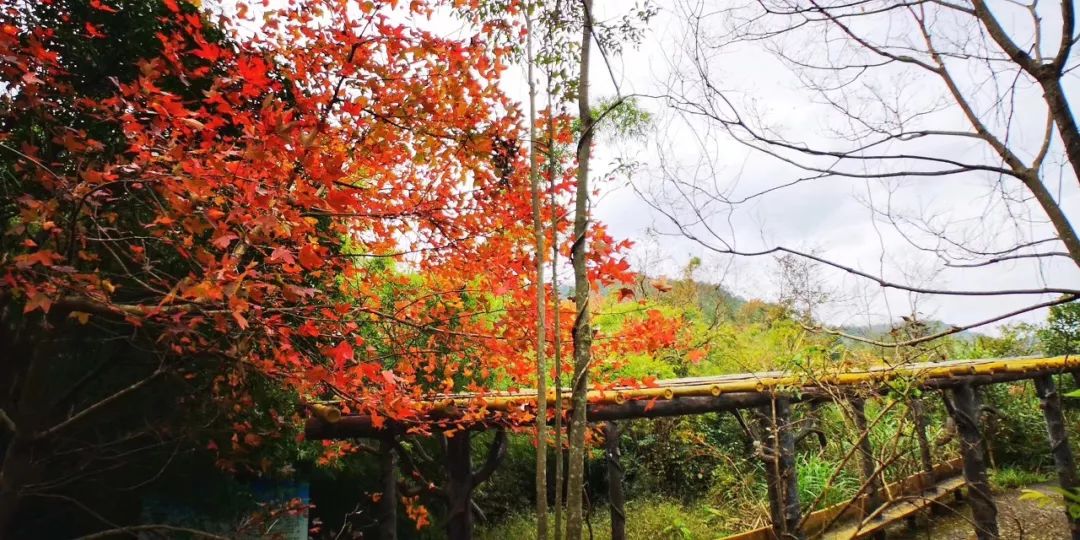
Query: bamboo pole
713,394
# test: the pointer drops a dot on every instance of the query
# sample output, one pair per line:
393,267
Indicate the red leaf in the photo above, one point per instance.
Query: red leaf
308,329
340,354
96,4
224,240
309,258
281,254
93,33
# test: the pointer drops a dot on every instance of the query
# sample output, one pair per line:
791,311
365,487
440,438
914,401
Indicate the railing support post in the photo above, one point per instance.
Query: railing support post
870,474
616,497
926,457
1050,403
965,414
778,453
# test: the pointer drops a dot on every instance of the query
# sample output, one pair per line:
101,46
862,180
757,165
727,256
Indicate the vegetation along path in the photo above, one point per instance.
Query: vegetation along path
1020,518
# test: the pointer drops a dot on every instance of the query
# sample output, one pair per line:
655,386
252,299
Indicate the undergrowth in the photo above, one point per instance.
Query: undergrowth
647,519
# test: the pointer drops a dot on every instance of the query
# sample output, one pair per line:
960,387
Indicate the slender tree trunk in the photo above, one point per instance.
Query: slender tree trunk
1050,402
541,304
616,497
388,501
966,415
560,479
582,329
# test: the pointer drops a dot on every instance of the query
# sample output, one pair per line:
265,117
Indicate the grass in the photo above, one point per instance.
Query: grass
1012,478
648,519
814,476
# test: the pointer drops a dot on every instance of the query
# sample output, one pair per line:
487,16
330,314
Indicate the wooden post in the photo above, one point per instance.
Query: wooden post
965,414
778,453
388,500
870,475
1050,402
459,523
616,497
463,479
926,459
981,418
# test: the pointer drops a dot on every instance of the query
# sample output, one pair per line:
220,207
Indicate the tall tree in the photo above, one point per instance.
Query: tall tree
539,231
582,287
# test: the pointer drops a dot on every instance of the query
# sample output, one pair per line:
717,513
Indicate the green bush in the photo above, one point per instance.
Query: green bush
1012,478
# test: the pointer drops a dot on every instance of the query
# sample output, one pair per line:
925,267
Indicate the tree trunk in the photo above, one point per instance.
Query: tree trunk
388,501
616,497
560,479
870,475
13,475
778,445
1050,402
541,297
582,329
459,523
1058,104
983,510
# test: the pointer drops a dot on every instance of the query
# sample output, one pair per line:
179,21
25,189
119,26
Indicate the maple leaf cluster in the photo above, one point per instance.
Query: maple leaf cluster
338,201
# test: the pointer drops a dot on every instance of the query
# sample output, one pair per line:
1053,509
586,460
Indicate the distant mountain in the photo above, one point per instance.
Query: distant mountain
882,330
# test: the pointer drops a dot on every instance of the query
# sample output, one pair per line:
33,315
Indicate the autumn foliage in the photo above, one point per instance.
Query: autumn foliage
336,201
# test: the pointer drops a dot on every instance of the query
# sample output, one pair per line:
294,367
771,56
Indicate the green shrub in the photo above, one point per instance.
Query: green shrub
1012,478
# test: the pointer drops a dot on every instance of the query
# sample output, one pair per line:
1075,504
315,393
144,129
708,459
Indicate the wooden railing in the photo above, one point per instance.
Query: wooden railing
905,498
